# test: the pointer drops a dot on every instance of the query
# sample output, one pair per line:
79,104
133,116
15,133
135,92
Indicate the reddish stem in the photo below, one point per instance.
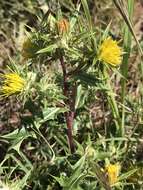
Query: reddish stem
68,115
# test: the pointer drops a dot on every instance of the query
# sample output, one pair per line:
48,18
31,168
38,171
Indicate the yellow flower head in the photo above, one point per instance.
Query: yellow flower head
12,83
113,172
110,52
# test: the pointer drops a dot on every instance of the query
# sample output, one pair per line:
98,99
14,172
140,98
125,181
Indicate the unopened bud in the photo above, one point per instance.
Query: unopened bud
63,26
90,152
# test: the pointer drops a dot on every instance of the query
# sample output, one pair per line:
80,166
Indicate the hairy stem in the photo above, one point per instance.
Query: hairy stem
68,115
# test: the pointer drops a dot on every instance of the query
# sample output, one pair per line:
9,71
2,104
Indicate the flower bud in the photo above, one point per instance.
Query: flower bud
63,26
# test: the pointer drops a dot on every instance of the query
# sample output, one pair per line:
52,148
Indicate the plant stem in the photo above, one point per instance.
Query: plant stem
124,67
112,101
68,115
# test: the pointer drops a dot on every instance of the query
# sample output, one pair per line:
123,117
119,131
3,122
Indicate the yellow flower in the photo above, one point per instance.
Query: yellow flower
12,83
113,172
110,52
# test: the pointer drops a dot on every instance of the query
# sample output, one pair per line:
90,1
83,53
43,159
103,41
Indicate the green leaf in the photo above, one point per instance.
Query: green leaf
87,79
47,49
127,174
81,97
60,180
50,113
74,18
87,13
16,138
72,182
77,173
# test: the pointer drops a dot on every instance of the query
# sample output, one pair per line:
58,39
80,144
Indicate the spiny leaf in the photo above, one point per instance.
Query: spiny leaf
88,79
47,49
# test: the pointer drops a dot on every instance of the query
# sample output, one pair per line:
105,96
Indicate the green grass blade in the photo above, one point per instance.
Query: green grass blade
124,67
87,13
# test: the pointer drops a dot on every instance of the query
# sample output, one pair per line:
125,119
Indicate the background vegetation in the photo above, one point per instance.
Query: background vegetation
36,151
